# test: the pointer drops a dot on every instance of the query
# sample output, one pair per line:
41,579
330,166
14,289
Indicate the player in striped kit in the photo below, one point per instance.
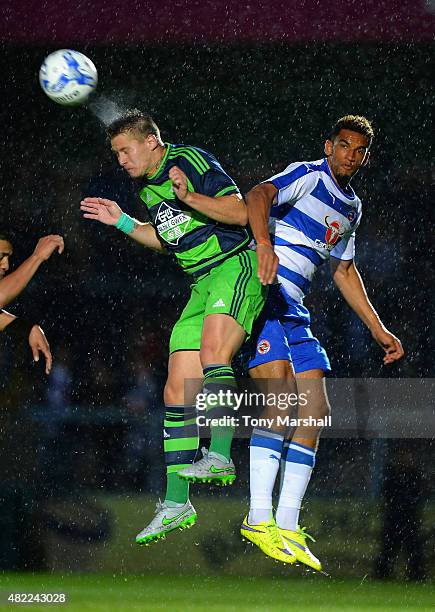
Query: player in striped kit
301,218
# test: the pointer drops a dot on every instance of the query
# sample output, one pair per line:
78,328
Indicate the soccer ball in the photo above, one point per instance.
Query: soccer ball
68,77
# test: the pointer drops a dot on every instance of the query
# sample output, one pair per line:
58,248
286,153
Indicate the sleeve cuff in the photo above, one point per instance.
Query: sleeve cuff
226,191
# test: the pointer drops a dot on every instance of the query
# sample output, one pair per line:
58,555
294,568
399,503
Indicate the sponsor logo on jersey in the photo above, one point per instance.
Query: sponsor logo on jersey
334,231
172,224
323,245
263,347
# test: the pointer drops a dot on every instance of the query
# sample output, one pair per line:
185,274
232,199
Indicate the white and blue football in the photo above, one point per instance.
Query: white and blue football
68,77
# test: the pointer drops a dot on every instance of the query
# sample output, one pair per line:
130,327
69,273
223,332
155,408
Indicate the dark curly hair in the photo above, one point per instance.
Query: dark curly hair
7,236
355,123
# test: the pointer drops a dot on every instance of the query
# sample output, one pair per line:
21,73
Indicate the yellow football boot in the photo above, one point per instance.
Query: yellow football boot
265,535
296,542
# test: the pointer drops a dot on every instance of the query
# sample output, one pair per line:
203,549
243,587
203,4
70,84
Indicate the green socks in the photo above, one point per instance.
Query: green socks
180,443
220,378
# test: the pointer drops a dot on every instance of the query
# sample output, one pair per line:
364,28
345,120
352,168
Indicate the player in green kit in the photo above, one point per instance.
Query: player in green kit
197,214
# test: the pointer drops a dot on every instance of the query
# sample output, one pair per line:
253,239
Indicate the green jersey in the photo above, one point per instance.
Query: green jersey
198,242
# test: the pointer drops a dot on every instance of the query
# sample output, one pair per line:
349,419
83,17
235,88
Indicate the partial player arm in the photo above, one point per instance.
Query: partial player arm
19,330
14,283
5,319
259,200
230,209
109,213
351,286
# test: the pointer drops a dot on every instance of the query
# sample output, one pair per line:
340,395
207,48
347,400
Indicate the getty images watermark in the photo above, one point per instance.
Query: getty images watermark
364,408
226,401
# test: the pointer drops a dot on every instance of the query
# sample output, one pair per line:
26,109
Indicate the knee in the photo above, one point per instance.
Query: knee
323,409
317,409
172,394
213,354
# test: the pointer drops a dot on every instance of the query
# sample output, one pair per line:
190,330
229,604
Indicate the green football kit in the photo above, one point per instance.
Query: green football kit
215,254
224,274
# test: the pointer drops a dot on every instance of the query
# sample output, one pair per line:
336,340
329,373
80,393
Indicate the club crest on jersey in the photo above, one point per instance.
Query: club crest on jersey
171,223
351,215
263,347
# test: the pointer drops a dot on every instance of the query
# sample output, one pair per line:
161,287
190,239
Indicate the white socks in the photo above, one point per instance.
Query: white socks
265,455
298,466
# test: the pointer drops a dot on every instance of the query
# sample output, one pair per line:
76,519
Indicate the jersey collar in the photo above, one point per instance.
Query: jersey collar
162,163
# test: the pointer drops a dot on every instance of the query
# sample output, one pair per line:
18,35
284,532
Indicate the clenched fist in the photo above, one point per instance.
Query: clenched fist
47,245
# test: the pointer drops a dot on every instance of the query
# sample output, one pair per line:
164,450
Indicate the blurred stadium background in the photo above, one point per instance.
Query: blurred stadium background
80,454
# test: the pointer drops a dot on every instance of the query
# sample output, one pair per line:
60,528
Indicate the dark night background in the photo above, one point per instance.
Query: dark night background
107,305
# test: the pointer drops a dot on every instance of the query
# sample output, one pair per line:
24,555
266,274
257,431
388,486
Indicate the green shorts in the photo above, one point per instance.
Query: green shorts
231,288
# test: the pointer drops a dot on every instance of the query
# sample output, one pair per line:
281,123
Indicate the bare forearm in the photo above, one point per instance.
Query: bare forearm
5,319
353,290
226,209
145,234
13,285
258,202
109,213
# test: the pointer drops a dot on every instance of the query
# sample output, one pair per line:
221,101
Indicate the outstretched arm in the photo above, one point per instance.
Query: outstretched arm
19,330
230,209
259,200
109,213
351,286
14,283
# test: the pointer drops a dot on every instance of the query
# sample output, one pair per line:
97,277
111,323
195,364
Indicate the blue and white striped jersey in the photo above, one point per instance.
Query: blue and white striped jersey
312,220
